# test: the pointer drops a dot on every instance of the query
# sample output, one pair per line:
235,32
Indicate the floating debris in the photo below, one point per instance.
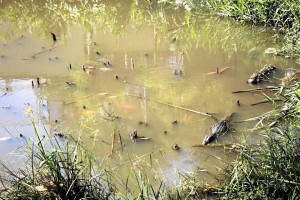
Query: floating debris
71,83
175,147
61,135
134,136
175,122
132,63
267,88
178,72
102,94
238,103
143,123
218,71
70,67
6,107
4,93
271,51
53,37
84,107
105,69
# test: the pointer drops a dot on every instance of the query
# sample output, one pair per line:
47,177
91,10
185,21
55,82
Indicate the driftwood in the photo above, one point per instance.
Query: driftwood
142,138
216,145
3,95
264,101
40,52
225,146
134,136
270,88
261,75
174,106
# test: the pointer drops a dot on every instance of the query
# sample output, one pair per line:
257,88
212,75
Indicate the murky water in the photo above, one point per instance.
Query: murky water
144,67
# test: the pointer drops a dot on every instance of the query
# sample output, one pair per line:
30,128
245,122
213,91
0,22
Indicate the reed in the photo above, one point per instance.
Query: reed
269,171
63,171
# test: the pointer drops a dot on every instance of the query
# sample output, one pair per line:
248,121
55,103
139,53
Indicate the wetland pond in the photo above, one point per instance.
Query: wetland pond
146,68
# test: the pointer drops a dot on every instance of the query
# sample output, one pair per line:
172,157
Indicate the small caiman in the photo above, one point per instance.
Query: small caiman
261,75
217,129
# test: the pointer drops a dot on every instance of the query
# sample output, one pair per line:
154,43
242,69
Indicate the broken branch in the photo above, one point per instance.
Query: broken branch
271,88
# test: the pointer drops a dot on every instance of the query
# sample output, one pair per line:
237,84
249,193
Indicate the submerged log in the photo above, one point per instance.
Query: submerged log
261,75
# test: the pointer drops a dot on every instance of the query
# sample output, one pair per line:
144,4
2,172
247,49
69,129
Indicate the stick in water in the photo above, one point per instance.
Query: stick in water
258,90
53,37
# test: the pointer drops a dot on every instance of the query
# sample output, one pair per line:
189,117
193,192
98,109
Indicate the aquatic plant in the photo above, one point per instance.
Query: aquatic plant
270,170
63,171
283,16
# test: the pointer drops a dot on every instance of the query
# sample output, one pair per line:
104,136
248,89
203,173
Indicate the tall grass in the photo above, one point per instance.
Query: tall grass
59,172
271,170
282,16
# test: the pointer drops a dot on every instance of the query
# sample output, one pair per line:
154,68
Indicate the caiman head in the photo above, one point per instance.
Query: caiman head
208,139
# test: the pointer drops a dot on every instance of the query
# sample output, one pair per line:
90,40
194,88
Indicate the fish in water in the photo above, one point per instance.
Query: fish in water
217,129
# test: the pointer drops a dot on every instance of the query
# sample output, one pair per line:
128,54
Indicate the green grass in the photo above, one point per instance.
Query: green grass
59,172
283,16
271,170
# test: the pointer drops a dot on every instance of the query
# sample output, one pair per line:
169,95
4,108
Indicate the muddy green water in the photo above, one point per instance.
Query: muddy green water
145,46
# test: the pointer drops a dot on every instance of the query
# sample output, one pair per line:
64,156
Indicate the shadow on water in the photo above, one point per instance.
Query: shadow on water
146,65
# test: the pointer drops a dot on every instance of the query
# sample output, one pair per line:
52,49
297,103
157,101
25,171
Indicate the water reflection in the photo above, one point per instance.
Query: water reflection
134,70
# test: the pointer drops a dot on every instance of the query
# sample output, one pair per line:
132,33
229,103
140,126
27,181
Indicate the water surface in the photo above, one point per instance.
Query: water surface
143,64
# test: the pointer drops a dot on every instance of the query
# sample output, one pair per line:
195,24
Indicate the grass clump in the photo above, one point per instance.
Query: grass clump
58,173
271,170
284,16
